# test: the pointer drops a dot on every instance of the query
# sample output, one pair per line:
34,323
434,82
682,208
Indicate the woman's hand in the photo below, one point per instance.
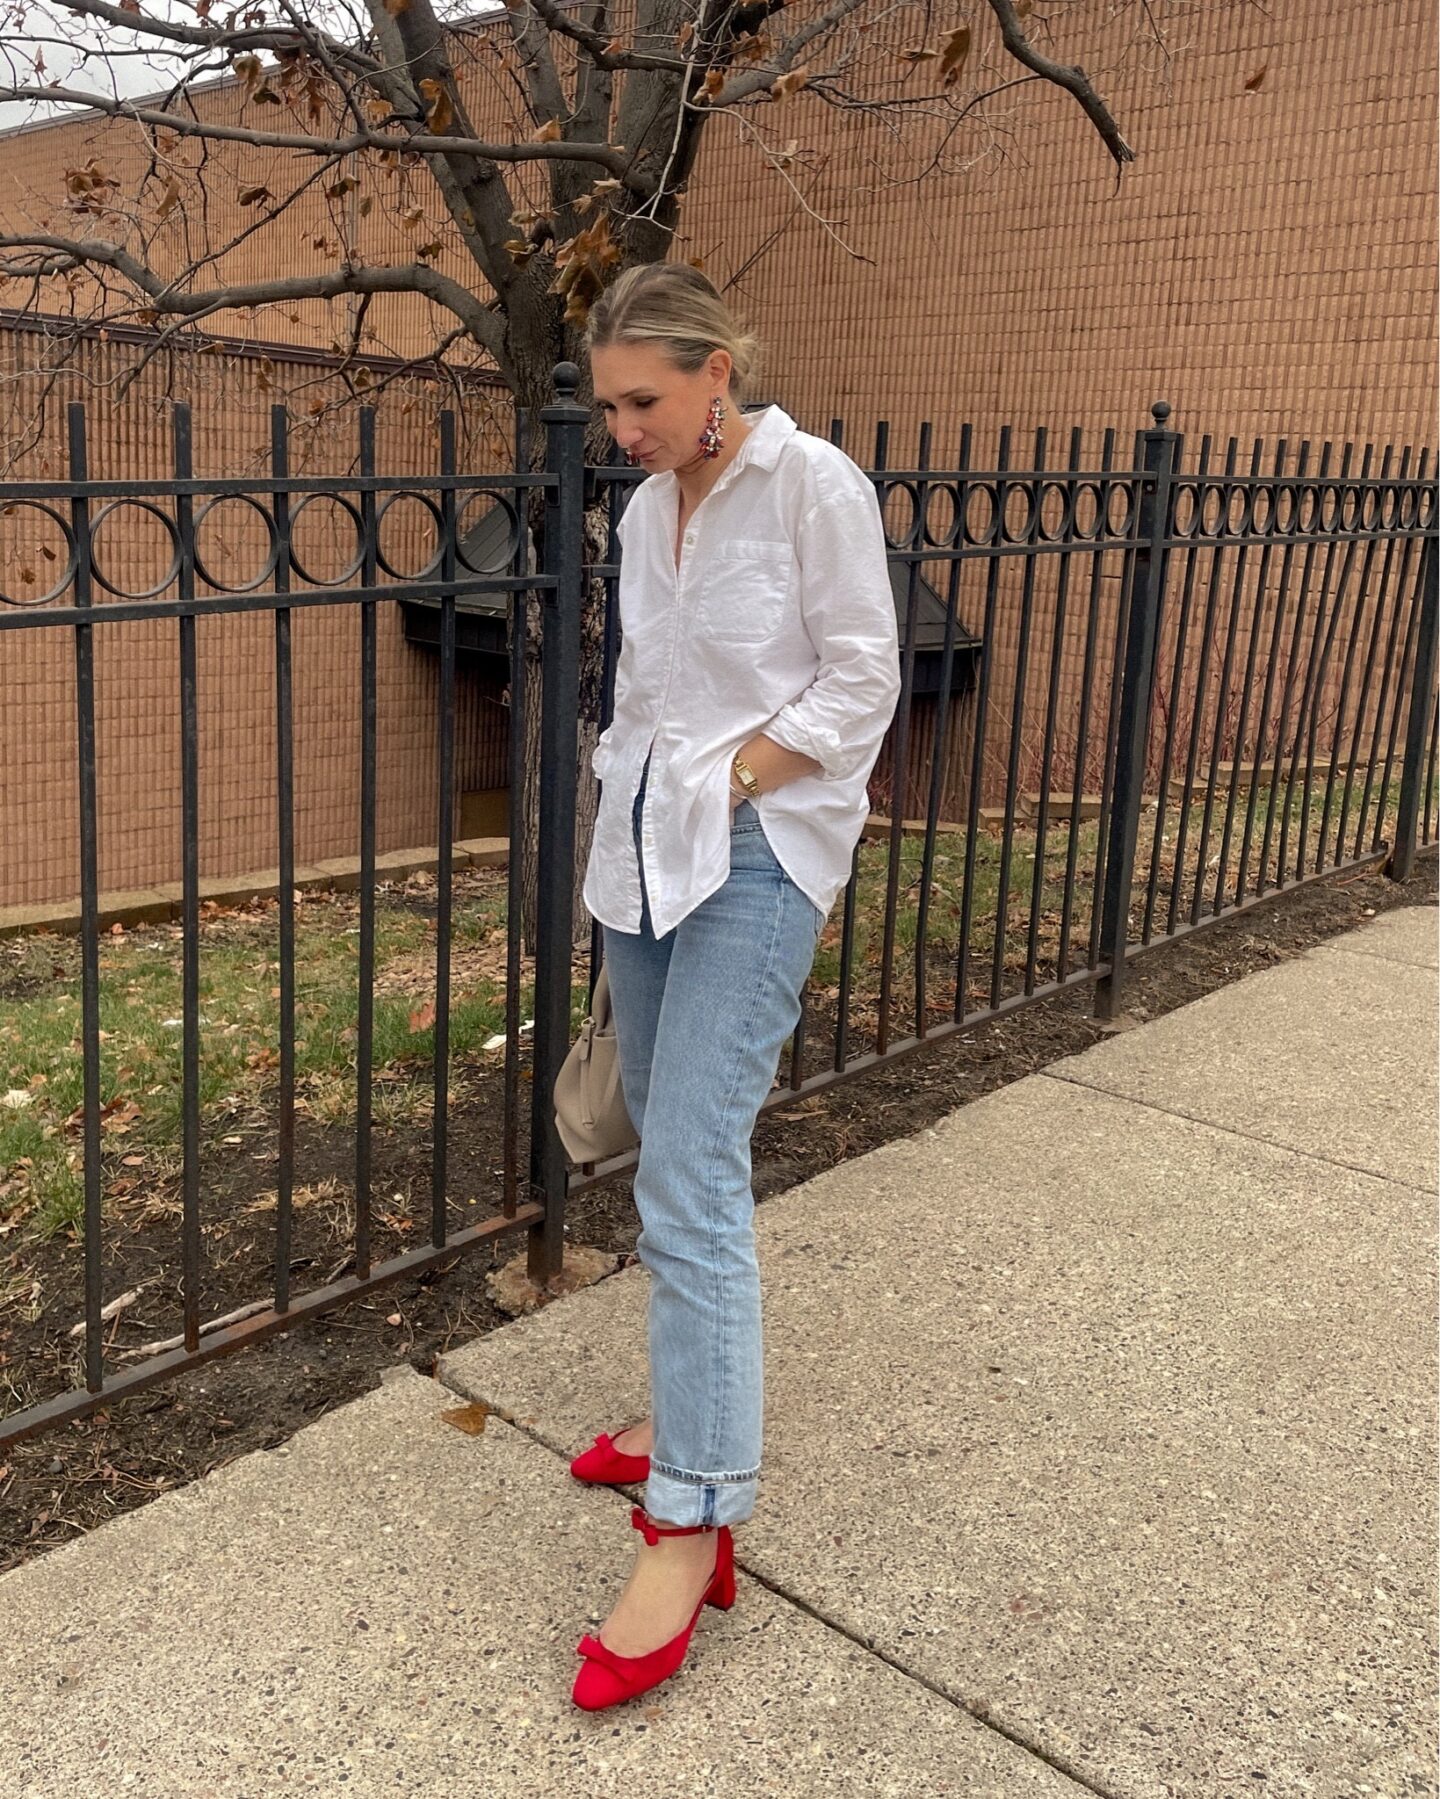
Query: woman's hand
772,764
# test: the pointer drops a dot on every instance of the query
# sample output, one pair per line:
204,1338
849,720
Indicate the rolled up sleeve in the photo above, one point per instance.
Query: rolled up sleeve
848,607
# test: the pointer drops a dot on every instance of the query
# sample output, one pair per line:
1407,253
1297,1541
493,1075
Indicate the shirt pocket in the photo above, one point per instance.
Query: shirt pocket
744,589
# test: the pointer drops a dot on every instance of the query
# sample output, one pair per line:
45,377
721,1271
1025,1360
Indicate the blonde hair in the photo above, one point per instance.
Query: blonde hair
676,308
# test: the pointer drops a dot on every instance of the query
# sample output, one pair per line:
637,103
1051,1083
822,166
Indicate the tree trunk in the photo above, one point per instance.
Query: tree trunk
592,662
538,337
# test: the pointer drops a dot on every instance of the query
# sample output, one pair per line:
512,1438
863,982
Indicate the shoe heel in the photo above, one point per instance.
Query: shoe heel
722,1588
722,1593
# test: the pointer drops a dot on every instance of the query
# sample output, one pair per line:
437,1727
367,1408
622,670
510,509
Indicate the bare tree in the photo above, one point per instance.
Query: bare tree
346,143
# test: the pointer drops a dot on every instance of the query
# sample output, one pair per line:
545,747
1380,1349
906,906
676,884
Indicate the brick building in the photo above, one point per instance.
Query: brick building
1267,265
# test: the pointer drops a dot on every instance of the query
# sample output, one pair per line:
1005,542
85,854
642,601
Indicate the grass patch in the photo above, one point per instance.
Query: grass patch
141,1050
142,1037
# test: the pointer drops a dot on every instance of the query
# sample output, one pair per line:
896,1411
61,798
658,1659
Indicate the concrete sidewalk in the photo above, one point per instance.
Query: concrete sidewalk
1100,1458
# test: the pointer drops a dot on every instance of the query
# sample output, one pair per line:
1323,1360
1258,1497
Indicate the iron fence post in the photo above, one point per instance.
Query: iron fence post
564,550
1417,727
1146,587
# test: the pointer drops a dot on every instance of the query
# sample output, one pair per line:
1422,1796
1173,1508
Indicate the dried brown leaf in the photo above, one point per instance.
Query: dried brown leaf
439,112
956,47
170,199
469,1418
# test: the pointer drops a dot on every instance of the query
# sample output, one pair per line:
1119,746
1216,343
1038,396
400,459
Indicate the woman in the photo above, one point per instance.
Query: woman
758,672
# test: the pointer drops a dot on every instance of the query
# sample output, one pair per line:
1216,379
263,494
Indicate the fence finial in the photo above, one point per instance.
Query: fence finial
567,381
1160,411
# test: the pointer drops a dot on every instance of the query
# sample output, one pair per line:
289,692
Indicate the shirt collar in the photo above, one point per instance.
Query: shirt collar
770,431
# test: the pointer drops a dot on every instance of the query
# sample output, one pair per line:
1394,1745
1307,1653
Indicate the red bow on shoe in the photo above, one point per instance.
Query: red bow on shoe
643,1525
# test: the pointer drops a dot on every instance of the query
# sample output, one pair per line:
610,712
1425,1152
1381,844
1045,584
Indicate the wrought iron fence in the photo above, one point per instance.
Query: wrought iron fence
1139,694
1267,630
90,600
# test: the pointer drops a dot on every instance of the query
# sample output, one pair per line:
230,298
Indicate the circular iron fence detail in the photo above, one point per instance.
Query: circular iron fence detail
1055,508
353,512
498,502
44,554
1427,509
947,493
905,491
272,556
1239,509
1329,506
1088,510
436,518
980,494
1349,507
1262,509
1214,502
1285,508
1182,511
1122,496
1389,507
1307,507
1020,508
1369,508
1409,508
171,530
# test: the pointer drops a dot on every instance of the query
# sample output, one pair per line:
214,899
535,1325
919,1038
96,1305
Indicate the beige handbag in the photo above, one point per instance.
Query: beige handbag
590,1112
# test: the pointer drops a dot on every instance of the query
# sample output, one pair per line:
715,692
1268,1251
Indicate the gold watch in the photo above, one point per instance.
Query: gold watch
745,775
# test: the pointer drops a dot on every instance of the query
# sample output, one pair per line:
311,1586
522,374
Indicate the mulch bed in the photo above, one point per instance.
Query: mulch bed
61,1485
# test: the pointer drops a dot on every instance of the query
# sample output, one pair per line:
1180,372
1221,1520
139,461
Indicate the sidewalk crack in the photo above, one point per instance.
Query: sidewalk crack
1229,1130
1015,1737
1057,1762
1375,955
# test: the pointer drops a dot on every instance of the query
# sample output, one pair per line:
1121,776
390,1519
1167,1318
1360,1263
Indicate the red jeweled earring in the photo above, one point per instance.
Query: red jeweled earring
712,437
631,458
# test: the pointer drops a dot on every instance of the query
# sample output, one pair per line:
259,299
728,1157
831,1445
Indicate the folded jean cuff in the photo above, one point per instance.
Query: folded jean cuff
688,1502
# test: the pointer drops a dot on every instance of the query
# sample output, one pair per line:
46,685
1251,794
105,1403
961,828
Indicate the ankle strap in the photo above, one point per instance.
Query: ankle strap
652,1533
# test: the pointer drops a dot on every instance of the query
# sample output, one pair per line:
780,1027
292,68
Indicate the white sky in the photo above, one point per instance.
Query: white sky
123,71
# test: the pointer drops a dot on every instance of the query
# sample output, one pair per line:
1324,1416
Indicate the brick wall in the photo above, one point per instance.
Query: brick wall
137,666
1267,265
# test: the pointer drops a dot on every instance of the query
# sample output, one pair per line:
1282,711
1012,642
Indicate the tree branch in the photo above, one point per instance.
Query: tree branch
214,37
418,144
758,79
594,93
66,254
547,97
594,42
1068,76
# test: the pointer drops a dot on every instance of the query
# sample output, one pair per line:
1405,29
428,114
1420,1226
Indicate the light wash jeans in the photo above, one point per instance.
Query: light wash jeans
701,1017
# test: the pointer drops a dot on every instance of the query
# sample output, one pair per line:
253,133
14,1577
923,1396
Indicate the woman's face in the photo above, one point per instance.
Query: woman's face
650,407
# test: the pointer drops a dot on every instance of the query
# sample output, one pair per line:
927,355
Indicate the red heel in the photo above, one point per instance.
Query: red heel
721,1591
608,1679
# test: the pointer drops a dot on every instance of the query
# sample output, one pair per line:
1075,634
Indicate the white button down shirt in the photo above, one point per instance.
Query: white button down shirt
779,621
